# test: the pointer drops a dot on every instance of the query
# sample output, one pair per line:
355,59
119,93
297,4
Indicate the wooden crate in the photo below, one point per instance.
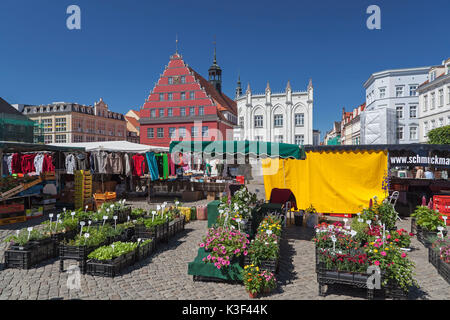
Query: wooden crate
4,222
12,192
32,183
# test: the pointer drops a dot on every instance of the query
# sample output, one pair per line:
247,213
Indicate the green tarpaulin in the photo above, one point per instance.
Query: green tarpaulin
258,148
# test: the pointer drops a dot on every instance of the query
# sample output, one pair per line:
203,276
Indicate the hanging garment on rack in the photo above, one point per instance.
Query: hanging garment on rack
38,162
27,163
171,164
127,164
152,166
82,161
138,165
92,162
159,162
8,161
47,163
102,160
71,164
165,165
116,163
15,163
5,166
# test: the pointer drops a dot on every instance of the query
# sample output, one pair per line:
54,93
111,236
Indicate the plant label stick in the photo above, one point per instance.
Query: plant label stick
82,223
153,215
29,232
86,236
85,208
333,238
89,224
50,216
128,218
369,222
115,222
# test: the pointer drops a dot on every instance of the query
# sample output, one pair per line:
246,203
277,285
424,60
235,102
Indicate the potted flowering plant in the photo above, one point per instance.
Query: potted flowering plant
264,251
389,258
311,216
400,238
253,280
270,225
223,244
269,282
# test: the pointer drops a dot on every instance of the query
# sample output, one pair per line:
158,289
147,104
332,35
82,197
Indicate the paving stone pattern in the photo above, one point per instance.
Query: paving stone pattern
164,274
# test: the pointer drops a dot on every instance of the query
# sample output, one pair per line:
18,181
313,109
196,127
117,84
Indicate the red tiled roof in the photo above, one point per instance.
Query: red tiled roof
133,121
224,103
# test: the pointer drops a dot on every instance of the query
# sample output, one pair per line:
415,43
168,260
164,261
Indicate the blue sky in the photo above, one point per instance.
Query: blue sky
123,46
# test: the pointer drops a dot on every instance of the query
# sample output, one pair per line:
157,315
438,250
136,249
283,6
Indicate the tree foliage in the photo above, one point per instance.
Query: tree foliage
439,135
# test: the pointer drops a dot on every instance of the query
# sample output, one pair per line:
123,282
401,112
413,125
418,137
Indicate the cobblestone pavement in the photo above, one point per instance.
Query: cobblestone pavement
164,275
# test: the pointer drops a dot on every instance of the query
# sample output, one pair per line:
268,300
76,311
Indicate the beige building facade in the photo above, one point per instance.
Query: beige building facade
71,122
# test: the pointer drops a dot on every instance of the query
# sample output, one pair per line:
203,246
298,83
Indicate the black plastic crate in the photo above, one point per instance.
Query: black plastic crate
30,255
143,251
78,253
433,257
444,271
176,226
111,268
268,265
159,232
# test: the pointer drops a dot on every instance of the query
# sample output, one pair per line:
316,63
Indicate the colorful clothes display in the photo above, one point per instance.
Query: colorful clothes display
138,165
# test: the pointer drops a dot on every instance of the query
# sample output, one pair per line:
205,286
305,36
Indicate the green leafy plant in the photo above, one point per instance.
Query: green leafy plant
22,238
115,250
252,278
386,214
427,218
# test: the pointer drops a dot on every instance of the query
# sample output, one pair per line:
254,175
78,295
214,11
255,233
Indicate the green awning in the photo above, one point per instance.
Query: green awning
7,147
258,148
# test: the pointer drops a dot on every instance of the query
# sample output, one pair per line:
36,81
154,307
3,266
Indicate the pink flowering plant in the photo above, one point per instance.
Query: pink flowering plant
269,282
222,244
445,254
401,238
393,261
264,247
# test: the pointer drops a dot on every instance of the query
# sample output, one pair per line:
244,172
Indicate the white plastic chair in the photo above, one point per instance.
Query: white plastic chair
393,201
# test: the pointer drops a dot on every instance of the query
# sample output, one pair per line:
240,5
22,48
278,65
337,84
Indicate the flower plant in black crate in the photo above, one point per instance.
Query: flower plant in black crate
34,252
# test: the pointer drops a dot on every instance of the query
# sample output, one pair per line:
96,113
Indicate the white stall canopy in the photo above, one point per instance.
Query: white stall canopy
117,146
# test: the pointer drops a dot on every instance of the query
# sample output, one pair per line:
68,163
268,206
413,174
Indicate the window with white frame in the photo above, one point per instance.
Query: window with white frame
77,138
433,101
170,81
48,139
432,76
241,121
259,121
172,132
161,97
382,93
413,111
299,119
183,79
182,111
201,111
150,133
170,112
278,120
425,103
194,132
433,124
413,133
153,113
60,138
161,112
412,90
48,125
399,110
399,91
192,95
60,125
205,131
425,128
299,139
400,133
170,96
441,97
279,138
441,122
160,132
182,132
183,95
192,111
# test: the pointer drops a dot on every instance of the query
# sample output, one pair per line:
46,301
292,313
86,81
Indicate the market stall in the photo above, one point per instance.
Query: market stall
30,179
339,180
116,166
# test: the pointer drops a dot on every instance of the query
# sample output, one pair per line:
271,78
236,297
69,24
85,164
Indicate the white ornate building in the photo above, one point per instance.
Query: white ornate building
275,117
434,100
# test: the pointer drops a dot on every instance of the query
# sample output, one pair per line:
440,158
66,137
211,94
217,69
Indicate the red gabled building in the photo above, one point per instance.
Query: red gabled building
185,106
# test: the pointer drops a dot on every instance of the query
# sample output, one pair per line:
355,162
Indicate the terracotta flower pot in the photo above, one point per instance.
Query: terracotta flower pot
266,290
253,295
